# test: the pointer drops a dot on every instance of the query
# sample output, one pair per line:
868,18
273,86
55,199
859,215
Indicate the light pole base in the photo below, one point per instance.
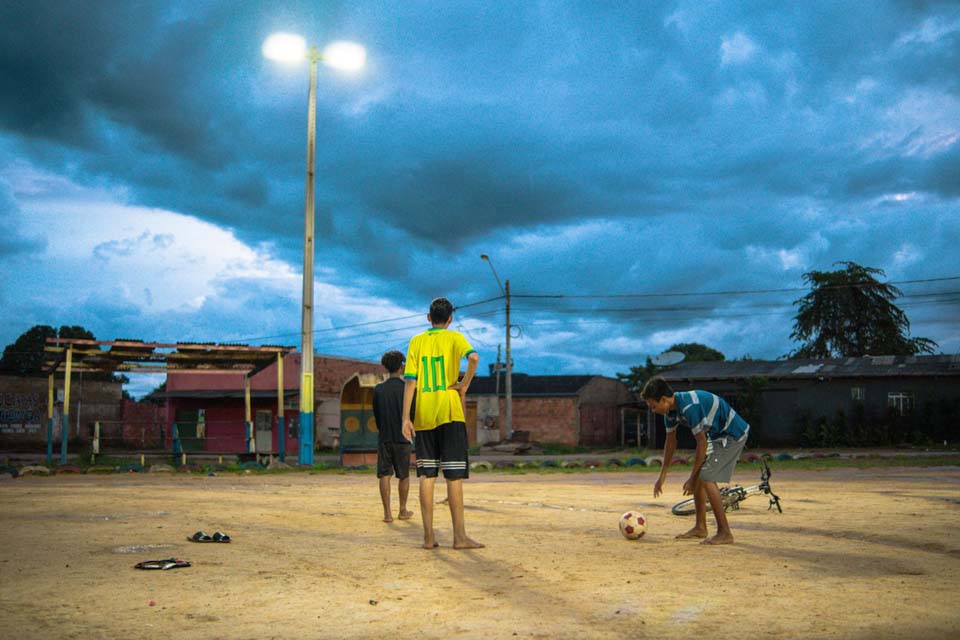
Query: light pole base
306,439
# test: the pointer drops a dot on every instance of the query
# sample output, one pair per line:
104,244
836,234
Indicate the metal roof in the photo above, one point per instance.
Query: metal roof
811,368
527,385
137,356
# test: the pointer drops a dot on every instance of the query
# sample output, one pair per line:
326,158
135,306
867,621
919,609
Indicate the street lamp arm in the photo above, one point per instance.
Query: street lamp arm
485,257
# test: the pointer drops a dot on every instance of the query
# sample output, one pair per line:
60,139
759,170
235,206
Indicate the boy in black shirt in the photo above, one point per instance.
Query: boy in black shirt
393,449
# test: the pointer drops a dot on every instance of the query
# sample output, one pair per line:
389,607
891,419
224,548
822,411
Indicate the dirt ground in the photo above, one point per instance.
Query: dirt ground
857,553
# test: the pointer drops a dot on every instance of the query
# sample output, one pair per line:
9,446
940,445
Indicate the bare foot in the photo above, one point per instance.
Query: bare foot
693,533
468,543
405,514
720,538
429,545
388,518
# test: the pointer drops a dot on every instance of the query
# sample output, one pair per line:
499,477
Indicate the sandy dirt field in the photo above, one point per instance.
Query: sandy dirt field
871,553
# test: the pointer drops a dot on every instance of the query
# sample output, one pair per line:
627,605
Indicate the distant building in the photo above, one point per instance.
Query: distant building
786,396
24,410
208,408
573,410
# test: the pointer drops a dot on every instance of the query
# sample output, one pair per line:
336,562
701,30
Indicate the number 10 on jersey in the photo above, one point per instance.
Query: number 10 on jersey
433,374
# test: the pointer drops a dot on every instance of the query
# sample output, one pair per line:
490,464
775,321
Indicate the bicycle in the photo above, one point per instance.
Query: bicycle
733,496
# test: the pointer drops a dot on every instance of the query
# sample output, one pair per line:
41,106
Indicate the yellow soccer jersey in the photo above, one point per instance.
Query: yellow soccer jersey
433,360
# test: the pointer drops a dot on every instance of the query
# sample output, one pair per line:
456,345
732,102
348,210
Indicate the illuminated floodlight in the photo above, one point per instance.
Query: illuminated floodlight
344,56
285,47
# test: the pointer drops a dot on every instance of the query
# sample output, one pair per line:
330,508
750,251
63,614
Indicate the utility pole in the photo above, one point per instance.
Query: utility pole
509,385
508,418
497,392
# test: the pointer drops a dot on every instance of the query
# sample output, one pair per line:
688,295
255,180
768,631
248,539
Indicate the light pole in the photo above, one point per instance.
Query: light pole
346,56
508,409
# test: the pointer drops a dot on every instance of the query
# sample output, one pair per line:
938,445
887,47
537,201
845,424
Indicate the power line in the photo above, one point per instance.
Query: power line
363,324
733,291
737,307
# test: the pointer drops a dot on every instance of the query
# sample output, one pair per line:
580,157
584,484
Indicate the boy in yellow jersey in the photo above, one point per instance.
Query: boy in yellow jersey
431,373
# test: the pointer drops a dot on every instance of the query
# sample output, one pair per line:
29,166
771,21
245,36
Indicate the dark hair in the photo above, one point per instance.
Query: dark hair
440,310
656,388
392,360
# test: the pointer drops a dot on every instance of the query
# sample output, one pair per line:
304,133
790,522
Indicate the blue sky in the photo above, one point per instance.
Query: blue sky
152,170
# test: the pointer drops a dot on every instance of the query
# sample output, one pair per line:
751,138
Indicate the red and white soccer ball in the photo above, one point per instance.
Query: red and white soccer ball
633,525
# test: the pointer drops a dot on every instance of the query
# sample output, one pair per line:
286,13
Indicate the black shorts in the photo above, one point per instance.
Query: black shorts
443,449
393,458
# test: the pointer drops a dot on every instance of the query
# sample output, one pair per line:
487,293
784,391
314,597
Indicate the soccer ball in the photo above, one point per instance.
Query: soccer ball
633,525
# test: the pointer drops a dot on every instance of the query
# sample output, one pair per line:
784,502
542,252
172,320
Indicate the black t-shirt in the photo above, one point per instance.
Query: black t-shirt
387,409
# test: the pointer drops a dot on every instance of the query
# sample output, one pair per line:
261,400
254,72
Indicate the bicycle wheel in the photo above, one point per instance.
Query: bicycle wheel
732,496
687,508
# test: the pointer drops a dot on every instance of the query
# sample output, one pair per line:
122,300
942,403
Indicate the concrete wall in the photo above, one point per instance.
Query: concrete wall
590,419
23,410
549,420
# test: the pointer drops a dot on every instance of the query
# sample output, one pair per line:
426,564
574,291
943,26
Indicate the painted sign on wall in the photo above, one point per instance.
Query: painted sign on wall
20,412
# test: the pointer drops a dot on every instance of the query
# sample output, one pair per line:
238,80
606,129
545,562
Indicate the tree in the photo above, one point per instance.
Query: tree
849,312
24,357
694,352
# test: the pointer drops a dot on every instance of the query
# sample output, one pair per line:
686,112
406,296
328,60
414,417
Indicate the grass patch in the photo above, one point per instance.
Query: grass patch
562,449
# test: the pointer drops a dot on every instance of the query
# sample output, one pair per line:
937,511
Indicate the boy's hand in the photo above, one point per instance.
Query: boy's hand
658,488
688,487
408,430
462,390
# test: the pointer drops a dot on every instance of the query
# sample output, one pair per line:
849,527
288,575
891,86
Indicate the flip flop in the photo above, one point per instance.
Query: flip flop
162,565
219,536
200,536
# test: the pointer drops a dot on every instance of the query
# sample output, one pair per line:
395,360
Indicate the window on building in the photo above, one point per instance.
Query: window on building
857,393
902,401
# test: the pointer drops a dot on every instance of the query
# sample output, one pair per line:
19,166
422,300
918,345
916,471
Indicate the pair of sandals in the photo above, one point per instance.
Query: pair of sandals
162,565
200,536
176,563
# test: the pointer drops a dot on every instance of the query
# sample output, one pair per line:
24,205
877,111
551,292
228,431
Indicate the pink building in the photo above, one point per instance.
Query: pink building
209,408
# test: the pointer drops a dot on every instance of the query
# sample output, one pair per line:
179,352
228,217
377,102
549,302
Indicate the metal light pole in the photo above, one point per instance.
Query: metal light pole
508,409
306,321
346,56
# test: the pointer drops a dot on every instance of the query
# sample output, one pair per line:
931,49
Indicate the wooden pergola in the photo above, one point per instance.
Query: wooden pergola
136,356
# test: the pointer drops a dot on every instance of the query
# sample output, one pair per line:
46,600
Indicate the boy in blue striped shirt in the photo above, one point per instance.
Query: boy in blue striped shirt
721,435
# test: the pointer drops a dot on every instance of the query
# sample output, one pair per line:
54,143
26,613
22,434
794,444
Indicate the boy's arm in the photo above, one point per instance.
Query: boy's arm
409,390
462,385
669,446
698,460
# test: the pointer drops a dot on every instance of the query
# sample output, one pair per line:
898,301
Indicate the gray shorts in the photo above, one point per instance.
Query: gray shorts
722,456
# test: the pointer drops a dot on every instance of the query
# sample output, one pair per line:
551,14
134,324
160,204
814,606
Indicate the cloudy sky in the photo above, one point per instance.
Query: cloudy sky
607,156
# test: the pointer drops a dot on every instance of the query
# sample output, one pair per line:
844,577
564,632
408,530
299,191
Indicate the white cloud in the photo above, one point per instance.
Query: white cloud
161,265
906,255
797,258
863,89
711,331
922,123
737,49
930,30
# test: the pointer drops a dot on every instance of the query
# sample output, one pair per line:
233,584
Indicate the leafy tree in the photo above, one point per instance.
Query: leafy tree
24,357
694,352
849,312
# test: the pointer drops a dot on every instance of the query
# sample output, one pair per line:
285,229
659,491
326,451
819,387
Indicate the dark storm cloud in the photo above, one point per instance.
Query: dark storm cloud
584,111
13,242
689,134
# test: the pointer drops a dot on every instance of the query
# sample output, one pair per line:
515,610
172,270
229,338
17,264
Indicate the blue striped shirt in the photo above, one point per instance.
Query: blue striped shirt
705,411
